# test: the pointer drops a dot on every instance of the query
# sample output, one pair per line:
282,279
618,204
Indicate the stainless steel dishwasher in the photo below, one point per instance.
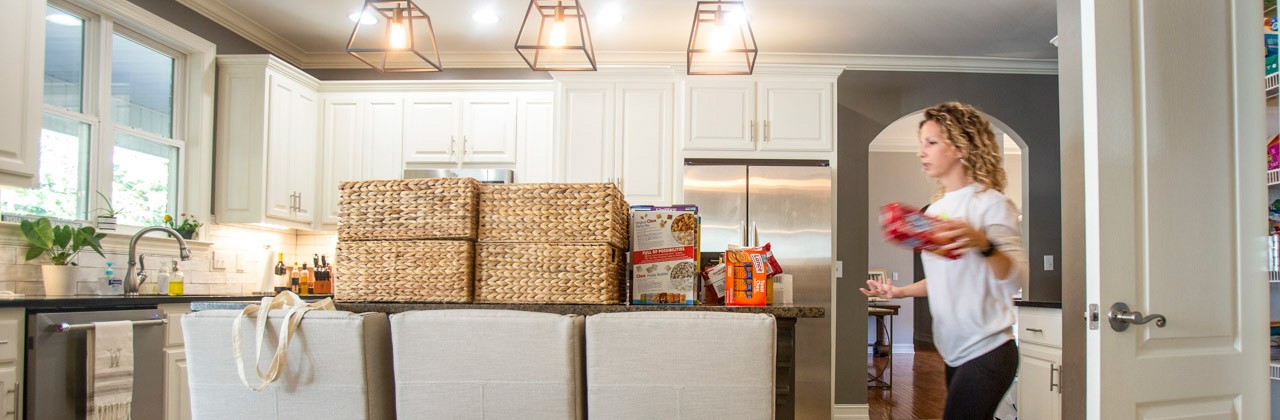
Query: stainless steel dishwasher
56,360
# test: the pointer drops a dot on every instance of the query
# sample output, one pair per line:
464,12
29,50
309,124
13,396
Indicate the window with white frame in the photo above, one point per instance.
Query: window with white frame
109,128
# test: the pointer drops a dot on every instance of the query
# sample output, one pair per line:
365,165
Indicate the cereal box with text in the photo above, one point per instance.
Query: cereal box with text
664,255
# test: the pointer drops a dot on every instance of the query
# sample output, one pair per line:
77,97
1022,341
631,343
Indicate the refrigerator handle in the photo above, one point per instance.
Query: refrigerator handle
745,240
755,235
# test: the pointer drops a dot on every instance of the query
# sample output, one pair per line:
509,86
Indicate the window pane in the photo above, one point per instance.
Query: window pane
141,87
64,173
63,59
144,180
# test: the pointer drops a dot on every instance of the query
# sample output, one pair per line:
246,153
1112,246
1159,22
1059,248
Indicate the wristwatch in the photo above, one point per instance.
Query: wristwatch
991,250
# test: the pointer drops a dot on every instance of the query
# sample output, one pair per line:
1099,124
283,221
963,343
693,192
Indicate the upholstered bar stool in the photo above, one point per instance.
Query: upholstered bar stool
680,365
338,367
488,364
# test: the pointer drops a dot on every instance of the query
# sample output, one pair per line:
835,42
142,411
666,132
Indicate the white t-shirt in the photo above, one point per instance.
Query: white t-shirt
972,309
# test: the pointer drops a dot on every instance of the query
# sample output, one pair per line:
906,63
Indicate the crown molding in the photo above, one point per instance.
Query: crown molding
236,22
419,86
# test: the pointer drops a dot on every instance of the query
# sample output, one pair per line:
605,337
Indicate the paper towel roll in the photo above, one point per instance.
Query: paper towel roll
267,285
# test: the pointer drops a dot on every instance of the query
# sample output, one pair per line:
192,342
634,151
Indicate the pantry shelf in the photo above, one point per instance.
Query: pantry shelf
1273,177
1275,370
1273,276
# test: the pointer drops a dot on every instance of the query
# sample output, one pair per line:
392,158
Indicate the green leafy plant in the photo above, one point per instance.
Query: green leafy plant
110,211
188,226
62,243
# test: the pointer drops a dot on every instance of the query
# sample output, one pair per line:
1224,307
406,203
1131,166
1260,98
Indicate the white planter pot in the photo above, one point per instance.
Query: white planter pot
106,223
59,280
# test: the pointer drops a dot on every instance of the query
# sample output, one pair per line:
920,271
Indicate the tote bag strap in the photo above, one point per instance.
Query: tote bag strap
296,309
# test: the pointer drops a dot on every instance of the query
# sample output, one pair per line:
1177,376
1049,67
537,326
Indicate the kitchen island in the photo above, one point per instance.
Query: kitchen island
786,316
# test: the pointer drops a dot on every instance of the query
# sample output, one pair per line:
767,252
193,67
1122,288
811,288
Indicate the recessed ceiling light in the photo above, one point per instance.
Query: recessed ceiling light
64,19
363,18
485,16
611,15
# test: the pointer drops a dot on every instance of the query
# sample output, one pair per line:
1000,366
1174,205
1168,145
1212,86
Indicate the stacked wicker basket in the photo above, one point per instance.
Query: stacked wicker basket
416,241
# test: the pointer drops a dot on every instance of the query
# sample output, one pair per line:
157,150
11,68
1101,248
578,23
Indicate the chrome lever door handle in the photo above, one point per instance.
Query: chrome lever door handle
1121,317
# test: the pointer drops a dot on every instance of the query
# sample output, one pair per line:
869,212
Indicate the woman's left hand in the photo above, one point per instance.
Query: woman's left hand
961,237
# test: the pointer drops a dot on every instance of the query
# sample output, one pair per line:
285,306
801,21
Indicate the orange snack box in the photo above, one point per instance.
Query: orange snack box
746,277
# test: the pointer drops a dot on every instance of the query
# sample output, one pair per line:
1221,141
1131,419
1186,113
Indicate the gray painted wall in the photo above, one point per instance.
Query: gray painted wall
868,102
228,42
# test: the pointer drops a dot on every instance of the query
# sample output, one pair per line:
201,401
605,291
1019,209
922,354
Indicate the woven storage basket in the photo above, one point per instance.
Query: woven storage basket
553,213
549,273
428,208
405,271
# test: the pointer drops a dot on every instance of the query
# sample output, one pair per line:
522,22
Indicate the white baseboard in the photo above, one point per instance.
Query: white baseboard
900,348
851,412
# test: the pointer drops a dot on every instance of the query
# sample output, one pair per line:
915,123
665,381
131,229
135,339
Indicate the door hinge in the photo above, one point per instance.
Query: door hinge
1093,316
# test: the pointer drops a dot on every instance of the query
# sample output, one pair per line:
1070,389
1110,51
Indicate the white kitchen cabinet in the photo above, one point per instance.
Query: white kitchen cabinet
383,136
489,128
21,78
767,115
721,115
536,125
267,140
343,151
797,116
644,140
13,323
431,128
1039,363
586,138
177,394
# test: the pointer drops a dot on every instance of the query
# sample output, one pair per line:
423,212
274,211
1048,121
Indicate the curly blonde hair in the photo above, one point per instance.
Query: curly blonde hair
967,130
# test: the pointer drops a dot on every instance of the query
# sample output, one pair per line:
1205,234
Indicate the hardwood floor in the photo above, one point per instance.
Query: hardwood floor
919,387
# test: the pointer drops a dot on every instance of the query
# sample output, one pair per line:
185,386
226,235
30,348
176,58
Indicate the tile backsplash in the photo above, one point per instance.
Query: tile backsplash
244,252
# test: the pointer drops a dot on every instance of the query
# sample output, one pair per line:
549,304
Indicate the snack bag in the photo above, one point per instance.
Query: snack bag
713,280
912,228
746,277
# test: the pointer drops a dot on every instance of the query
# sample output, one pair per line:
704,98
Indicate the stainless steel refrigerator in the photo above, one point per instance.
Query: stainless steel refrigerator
788,204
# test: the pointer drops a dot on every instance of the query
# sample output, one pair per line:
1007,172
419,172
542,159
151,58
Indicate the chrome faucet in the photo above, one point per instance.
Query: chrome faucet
131,283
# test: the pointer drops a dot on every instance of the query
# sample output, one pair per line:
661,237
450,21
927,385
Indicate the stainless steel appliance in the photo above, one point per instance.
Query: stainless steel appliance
56,359
788,204
490,176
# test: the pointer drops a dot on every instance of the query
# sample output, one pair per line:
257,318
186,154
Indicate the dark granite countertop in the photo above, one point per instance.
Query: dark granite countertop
94,302
385,307
1038,304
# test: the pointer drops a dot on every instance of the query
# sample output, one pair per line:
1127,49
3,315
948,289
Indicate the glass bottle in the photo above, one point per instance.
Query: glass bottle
176,281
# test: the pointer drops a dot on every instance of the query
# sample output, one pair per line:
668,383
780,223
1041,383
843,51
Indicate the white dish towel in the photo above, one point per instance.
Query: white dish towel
110,371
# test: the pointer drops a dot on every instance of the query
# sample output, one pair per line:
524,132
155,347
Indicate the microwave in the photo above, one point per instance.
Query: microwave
488,176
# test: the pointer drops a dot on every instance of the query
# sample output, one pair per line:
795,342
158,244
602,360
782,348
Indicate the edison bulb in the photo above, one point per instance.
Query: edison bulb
720,37
557,34
399,37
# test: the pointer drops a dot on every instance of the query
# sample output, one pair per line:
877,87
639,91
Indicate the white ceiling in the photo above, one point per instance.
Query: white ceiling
315,32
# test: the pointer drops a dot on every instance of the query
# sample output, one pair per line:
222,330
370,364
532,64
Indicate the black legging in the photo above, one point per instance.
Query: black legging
975,388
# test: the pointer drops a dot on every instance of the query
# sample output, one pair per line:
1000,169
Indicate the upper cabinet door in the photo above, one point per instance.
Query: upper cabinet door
22,37
343,152
431,133
797,116
721,116
382,128
489,128
305,147
645,136
537,129
585,135
280,193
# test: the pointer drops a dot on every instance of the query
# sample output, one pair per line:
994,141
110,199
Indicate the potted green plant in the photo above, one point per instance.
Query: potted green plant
107,216
188,226
61,244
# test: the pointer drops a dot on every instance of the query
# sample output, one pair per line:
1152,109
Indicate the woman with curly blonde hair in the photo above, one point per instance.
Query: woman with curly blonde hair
970,296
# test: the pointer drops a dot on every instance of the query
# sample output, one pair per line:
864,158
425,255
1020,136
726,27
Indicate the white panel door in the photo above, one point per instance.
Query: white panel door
537,129
280,195
1039,376
1174,207
382,134
721,116
489,128
586,127
644,134
797,116
431,128
343,151
305,147
177,394
21,76
9,395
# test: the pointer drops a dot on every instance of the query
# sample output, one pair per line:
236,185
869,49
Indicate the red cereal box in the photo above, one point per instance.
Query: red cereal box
912,228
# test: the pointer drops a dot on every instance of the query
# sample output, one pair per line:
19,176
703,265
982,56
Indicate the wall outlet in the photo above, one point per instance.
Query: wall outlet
1048,263
895,276
218,260
839,269
239,263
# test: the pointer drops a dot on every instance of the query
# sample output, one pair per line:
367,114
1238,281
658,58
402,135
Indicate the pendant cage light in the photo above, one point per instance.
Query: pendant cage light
721,41
399,39
555,37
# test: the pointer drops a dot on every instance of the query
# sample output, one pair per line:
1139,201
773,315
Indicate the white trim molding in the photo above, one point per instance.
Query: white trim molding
851,412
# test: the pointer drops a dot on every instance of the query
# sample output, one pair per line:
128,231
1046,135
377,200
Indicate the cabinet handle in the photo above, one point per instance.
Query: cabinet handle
1035,330
17,398
300,209
766,131
452,141
464,145
753,130
1053,369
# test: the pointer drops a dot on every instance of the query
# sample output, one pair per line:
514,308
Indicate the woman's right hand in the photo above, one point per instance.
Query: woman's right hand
883,290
